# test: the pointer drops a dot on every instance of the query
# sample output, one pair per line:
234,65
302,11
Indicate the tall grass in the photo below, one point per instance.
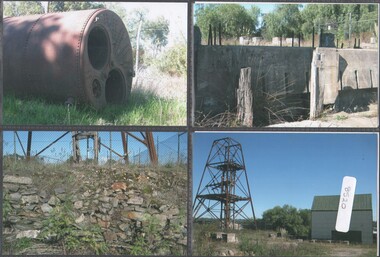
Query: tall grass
142,109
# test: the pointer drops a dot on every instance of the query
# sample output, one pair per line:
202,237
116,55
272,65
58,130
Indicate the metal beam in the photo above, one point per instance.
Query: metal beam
29,145
52,143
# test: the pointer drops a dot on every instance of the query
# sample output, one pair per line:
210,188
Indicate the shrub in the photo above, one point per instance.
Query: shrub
248,246
173,61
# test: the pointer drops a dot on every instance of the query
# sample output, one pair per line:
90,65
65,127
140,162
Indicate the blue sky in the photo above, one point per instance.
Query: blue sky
292,168
62,150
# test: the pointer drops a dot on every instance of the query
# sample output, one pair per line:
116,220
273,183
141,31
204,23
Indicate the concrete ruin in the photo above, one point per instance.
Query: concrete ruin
348,79
224,237
283,80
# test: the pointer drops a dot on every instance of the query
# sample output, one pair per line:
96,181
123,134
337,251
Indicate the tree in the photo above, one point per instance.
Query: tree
157,32
119,10
205,16
64,6
23,8
285,21
255,13
296,222
234,19
369,18
35,7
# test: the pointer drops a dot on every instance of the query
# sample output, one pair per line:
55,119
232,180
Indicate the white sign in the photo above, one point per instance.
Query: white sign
346,202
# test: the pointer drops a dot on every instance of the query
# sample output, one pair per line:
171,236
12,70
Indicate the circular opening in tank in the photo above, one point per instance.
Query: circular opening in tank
115,87
97,47
96,88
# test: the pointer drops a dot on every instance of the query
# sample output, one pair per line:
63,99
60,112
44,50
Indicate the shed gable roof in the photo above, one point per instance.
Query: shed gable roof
331,202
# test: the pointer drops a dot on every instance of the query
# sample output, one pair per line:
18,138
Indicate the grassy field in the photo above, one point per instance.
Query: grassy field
258,243
156,99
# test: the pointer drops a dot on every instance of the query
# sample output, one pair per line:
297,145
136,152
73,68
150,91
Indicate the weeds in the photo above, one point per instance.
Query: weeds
341,117
251,246
267,109
6,208
140,247
203,246
225,119
17,245
149,240
60,228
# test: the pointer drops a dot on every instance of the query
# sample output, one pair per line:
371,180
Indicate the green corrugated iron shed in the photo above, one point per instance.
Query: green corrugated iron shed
330,203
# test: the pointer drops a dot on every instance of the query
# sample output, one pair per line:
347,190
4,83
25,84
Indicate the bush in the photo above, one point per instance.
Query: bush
173,61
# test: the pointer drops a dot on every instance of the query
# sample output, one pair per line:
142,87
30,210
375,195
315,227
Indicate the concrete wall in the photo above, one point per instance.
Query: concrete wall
323,222
274,70
345,78
286,73
346,69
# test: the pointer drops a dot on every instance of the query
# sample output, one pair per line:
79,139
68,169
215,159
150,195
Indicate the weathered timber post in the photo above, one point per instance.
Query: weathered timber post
220,34
245,98
299,40
293,39
214,36
209,42
316,90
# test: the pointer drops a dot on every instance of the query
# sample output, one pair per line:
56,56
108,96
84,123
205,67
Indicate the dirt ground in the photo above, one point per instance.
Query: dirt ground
338,250
329,119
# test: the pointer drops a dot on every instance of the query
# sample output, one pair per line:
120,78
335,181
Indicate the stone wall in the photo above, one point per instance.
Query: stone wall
121,201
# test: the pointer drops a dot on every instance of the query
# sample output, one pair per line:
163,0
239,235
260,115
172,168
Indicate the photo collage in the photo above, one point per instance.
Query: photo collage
189,128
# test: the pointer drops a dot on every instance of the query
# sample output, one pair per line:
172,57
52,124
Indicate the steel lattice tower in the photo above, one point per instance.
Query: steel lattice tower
223,191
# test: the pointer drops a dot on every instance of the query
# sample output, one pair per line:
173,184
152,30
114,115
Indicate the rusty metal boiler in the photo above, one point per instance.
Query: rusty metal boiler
85,55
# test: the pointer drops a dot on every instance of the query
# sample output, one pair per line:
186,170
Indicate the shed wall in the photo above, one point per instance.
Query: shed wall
323,222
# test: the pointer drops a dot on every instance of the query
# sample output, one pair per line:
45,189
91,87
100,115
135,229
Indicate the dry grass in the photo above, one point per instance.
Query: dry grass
162,85
257,243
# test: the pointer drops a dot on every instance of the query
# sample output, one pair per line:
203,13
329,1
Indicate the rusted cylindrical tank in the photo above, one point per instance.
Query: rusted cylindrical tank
85,55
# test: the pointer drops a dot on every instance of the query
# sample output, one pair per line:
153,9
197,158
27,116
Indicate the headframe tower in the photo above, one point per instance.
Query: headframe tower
224,191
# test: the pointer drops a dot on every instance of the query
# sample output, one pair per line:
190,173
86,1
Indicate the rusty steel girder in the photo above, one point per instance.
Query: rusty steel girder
85,55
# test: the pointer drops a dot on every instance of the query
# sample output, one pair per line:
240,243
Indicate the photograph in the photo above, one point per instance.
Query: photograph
88,192
281,194
286,65
94,63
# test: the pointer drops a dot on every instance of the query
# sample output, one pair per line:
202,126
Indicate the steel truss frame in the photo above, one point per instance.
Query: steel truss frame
223,191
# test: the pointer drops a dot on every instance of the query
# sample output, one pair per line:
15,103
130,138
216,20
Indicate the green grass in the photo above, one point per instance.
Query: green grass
17,245
142,109
341,117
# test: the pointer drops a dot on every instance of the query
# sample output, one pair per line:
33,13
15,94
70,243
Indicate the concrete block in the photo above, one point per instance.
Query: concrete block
231,238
